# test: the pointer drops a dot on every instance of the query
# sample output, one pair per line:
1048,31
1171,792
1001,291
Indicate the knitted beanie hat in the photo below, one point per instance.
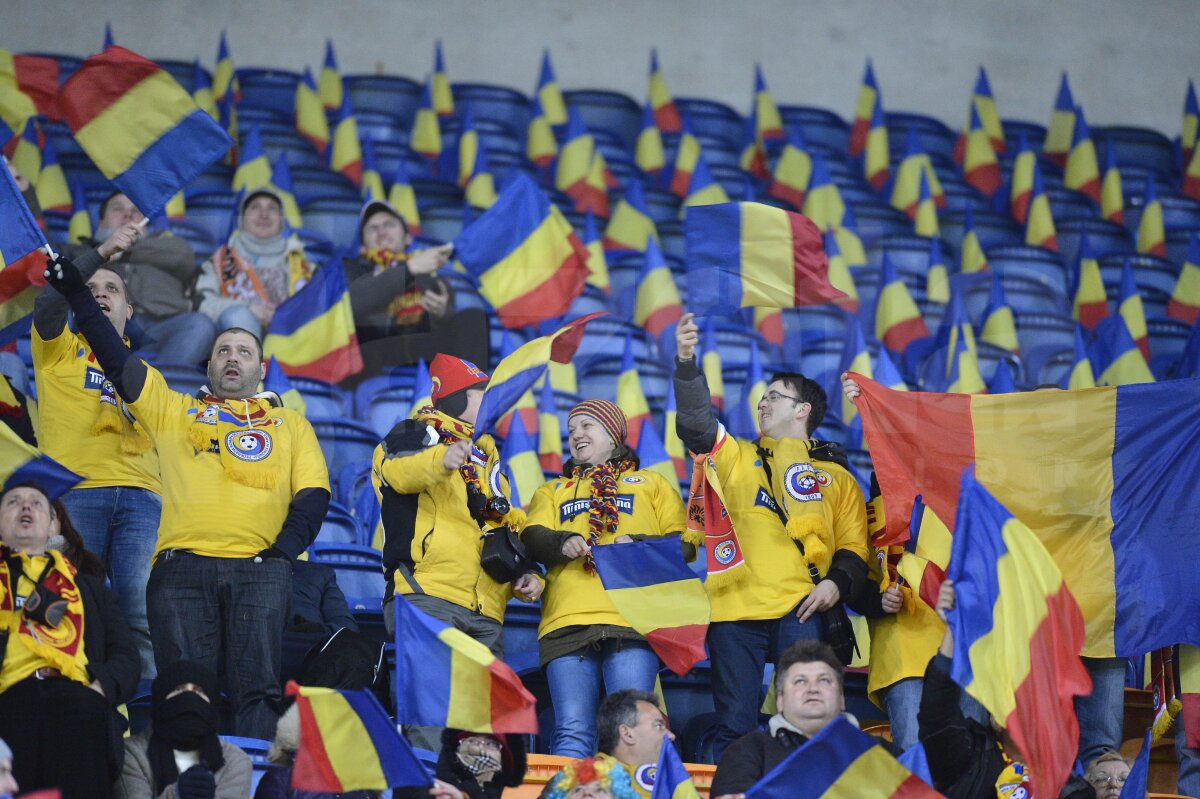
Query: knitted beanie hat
610,417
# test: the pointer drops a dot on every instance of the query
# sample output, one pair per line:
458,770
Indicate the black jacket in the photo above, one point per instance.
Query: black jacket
451,771
111,652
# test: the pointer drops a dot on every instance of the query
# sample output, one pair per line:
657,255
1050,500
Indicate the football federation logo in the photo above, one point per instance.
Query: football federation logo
248,445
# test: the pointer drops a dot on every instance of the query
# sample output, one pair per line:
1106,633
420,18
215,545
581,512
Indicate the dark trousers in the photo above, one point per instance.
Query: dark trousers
225,612
62,735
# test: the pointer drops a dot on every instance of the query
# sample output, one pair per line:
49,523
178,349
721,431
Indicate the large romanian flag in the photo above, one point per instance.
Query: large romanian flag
141,128
841,761
528,261
1118,523
312,333
749,254
348,743
664,600
445,678
21,261
1017,634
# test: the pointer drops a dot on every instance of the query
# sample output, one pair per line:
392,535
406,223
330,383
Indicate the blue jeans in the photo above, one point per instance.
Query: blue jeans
183,339
1102,712
120,525
738,651
902,700
239,315
1189,763
226,613
575,688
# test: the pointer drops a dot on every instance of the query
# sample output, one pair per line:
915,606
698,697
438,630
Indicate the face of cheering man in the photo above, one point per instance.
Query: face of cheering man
235,367
781,412
109,290
589,442
383,231
25,520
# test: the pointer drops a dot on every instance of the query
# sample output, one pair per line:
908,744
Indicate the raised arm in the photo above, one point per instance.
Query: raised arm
695,421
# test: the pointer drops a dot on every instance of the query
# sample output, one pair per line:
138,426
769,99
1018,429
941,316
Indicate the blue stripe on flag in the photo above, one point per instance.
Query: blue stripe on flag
173,161
324,291
641,563
713,237
400,766
423,677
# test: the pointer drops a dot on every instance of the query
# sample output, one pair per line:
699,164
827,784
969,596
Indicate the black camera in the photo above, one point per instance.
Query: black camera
484,510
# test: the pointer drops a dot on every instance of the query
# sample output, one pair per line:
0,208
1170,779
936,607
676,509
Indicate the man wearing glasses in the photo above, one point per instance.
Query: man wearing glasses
759,582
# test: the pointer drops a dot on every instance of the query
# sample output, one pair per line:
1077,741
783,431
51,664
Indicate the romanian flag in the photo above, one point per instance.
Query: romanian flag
520,457
21,261
1039,225
768,123
1059,135
16,107
1081,374
1129,308
656,304
687,153
999,327
839,273
118,91
823,204
573,174
648,151
345,155
1184,304
525,406
1091,301
753,159
468,147
1021,181
22,463
962,375
38,77
445,678
747,254
227,118
841,761
983,107
898,321
597,263
710,362
443,98
330,87
348,743
971,257
225,82
202,91
1112,195
660,597
906,189
925,219
281,180
426,136
1191,176
1116,359
254,169
276,380
1151,237
540,146
666,115
1002,381
1083,170
1118,527
875,152
848,241
868,95
793,171
855,358
312,333
672,780
80,227
631,399
402,197
52,191
481,190
519,372
980,167
1191,123
769,324
630,226
311,122
703,189
671,441
550,445
937,279
1017,634
528,261
548,94
652,455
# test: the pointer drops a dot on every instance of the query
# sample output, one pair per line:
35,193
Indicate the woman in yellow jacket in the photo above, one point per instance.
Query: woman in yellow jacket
602,498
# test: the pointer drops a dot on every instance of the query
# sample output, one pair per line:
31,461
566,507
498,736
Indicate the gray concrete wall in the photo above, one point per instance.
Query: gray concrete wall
1129,61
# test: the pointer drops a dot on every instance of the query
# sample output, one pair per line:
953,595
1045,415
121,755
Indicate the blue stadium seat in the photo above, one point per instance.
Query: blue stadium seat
1054,367
184,378
268,88
344,441
299,150
815,322
400,376
265,118
496,103
599,379
349,480
339,526
256,749
322,399
959,195
908,253
1035,134
671,238
213,211
819,126
217,177
1149,271
877,220
78,167
605,336
1025,295
1141,146
991,228
389,154
520,631
334,217
1041,265
58,226
310,181
1104,237
1167,336
359,571
61,137
432,192
1069,204
390,94
934,135
379,126
1036,331
442,223
712,118
317,248
388,406
601,108
1177,244
1179,210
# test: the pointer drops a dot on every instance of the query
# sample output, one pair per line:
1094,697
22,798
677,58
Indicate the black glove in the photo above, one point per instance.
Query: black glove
196,783
271,552
64,276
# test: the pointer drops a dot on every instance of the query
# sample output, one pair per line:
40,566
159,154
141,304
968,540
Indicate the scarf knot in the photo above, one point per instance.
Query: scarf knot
241,432
602,510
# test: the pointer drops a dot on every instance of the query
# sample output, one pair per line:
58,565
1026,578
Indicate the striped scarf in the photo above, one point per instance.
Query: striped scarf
240,432
602,510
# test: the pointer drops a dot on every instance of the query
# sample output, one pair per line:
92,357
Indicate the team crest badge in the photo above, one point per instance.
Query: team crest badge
725,552
646,775
802,483
248,445
633,479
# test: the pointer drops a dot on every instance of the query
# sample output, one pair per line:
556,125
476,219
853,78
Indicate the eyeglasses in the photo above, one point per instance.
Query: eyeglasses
775,396
1099,780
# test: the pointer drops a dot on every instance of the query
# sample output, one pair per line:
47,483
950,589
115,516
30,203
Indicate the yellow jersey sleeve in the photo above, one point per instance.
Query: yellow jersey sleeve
308,462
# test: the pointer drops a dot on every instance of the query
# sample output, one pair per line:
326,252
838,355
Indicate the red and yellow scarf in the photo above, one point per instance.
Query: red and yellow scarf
33,645
602,509
243,432
406,309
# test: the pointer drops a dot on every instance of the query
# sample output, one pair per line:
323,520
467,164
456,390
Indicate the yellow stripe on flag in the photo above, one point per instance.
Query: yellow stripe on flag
328,332
353,754
768,274
470,682
155,106
530,265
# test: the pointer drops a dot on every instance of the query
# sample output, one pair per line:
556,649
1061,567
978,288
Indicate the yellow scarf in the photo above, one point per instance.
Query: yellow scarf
406,309
796,484
1013,782
241,432
60,646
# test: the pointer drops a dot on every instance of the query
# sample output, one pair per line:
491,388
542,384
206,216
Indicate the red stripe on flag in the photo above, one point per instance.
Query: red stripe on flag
551,461
37,76
932,578
312,766
331,367
661,318
858,135
552,298
1091,189
101,81
680,181
781,191
1182,311
1159,249
771,328
21,274
1091,313
914,787
1020,207
679,648
1191,719
513,707
354,171
897,337
986,178
1044,726
811,267
666,118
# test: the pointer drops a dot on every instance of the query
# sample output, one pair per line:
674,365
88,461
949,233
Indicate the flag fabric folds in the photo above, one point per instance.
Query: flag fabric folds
630,225
520,458
254,168
21,260
631,399
597,263
525,256
898,321
1130,308
980,166
1081,374
549,94
1117,524
52,192
1017,634
1184,304
841,760
311,122
748,254
330,88
1116,359
864,109
540,145
875,149
22,463
426,136
550,440
651,586
1151,237
793,170
402,197
648,151
1112,195
345,151
1039,222
1021,180
1091,302
1083,170
445,678
118,91
348,743
656,301
312,332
